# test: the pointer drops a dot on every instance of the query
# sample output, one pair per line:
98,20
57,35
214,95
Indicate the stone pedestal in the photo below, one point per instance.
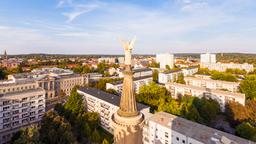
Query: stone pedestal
127,130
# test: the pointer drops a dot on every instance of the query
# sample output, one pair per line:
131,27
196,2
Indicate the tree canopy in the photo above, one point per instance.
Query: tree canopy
248,86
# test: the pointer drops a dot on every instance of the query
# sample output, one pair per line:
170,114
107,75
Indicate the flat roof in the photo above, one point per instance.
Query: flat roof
194,130
172,71
10,94
110,98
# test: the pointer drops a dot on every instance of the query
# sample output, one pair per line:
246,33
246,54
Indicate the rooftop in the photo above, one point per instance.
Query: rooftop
194,130
172,71
110,98
23,92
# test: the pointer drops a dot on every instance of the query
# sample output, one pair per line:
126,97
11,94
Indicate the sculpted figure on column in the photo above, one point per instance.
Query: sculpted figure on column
128,46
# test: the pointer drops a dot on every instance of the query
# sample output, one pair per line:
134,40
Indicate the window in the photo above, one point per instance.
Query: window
6,114
24,99
24,110
6,102
15,112
183,141
166,135
6,120
6,108
177,138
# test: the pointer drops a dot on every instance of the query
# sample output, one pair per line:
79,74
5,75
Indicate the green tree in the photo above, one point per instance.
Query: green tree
180,79
154,65
167,67
251,110
204,71
2,74
246,130
55,129
101,67
223,76
236,71
236,112
248,86
155,76
75,103
207,108
28,135
105,141
150,94
95,136
112,91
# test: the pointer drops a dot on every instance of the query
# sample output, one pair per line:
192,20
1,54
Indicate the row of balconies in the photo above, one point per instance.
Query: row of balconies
24,106
14,105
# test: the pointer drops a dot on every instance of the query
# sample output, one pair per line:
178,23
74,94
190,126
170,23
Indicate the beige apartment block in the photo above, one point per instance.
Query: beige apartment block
222,97
20,109
212,84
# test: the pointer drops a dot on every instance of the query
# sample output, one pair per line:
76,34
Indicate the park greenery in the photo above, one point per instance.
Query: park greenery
159,99
155,75
216,75
248,86
4,72
202,110
154,65
237,58
243,118
101,84
180,79
66,124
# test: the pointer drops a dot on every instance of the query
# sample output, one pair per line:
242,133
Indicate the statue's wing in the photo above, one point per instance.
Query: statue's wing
132,42
122,42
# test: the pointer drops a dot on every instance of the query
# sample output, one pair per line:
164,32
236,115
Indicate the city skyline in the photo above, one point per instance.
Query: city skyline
93,26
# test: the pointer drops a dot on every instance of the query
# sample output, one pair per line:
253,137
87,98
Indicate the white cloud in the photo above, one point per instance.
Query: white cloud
78,9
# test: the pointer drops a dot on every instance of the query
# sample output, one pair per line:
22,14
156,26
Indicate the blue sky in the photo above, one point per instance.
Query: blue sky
93,26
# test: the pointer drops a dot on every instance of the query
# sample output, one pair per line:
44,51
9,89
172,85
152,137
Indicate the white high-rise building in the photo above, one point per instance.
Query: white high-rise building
165,59
208,58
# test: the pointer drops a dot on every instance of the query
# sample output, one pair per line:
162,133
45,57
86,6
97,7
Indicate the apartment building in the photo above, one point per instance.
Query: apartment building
52,80
170,76
105,104
165,59
189,71
138,82
207,58
164,128
20,108
222,97
224,66
212,84
139,72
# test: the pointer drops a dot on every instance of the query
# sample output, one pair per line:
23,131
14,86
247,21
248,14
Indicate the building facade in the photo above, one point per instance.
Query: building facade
222,97
224,66
212,84
138,72
54,81
207,58
170,76
105,104
20,109
165,59
189,71
138,82
164,128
